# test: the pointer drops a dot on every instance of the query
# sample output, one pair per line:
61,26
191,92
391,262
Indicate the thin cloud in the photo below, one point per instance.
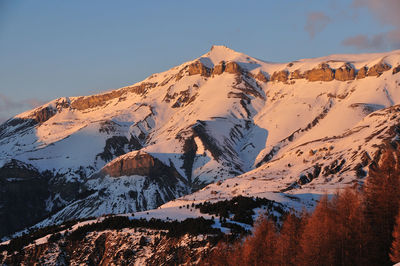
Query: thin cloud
387,13
364,42
316,22
9,106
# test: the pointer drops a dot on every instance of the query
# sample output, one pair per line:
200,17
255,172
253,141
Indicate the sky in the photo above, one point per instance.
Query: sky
54,48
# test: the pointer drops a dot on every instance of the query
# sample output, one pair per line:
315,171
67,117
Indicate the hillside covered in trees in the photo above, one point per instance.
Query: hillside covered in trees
357,226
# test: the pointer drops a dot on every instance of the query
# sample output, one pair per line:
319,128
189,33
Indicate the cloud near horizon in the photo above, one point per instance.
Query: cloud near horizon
9,106
387,13
316,22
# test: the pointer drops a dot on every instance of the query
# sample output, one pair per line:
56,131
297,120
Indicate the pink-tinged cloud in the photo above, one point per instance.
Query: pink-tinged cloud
364,42
316,22
387,13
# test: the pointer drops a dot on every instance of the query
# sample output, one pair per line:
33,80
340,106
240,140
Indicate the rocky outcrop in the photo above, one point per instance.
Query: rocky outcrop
233,68
184,98
86,102
281,76
198,68
322,73
142,164
210,144
229,67
188,157
396,70
138,89
333,168
12,126
219,69
261,77
44,114
378,69
116,146
362,73
310,175
345,72
296,75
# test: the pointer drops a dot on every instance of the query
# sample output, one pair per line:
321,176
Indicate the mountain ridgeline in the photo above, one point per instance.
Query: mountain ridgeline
220,126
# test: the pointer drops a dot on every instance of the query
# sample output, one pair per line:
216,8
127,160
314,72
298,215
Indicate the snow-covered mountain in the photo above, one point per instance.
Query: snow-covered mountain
285,131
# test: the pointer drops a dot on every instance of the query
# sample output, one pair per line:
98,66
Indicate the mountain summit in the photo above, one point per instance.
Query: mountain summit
222,125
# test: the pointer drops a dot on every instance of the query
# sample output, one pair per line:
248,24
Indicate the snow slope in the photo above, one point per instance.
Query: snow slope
221,117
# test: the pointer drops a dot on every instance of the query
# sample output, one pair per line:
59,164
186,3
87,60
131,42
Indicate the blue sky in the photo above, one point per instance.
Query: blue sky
50,49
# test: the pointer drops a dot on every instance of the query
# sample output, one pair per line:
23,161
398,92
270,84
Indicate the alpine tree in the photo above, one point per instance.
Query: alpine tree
395,249
287,247
381,199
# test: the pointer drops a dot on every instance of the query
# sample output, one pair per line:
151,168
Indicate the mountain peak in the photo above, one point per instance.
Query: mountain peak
221,48
220,53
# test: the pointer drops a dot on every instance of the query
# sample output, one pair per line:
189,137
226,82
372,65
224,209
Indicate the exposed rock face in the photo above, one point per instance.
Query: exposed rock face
362,73
345,72
233,68
230,67
140,89
208,142
184,98
296,75
396,70
150,181
87,102
310,176
261,77
17,124
198,68
280,76
378,69
219,69
322,73
115,146
141,164
44,114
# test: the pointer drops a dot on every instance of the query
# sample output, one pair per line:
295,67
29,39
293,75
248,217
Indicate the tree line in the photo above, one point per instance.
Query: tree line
359,225
240,208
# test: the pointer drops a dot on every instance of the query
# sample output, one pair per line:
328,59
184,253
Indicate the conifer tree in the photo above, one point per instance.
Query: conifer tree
289,239
259,248
395,249
319,238
351,228
382,196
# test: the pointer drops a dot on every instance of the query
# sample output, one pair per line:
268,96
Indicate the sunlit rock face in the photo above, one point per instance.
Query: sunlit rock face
345,72
281,76
322,73
378,69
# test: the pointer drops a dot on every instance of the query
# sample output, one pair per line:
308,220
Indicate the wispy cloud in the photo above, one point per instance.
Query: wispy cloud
387,13
9,106
364,42
316,22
